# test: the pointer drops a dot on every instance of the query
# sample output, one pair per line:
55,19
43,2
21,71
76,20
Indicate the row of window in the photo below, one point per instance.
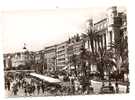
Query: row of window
61,63
61,59
62,47
102,40
50,51
100,26
62,51
61,55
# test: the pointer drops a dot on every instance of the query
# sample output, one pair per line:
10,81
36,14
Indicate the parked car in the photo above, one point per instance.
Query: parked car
107,90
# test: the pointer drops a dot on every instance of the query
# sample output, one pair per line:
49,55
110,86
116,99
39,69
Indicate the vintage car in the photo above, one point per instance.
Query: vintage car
107,90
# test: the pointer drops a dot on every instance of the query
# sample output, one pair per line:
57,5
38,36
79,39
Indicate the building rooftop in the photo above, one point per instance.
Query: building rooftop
100,21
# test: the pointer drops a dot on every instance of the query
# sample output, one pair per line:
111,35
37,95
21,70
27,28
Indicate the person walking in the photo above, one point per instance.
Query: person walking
117,88
30,90
43,88
33,89
38,88
19,84
15,90
25,91
73,87
25,86
8,85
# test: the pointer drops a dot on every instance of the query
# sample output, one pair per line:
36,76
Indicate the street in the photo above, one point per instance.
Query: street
96,86
21,91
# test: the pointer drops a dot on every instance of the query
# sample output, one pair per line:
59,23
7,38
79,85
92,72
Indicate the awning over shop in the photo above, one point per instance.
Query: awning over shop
65,68
72,67
46,78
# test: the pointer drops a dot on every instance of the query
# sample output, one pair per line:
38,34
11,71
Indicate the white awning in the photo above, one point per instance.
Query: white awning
65,68
46,78
72,67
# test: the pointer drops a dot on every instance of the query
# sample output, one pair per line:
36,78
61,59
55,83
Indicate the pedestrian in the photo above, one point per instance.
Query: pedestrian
58,93
25,91
73,87
117,88
43,88
19,84
30,90
23,83
33,89
38,88
8,85
15,90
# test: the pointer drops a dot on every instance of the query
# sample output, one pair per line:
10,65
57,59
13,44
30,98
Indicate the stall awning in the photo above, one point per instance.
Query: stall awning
65,68
46,78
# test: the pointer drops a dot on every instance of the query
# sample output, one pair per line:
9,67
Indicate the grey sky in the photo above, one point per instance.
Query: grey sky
42,27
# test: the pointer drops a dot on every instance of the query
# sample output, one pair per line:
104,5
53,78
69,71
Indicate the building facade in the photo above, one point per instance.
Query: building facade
7,61
61,55
50,57
19,60
56,57
107,31
39,64
75,44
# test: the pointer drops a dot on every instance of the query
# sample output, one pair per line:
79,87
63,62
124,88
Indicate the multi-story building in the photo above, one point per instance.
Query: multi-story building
50,57
38,56
58,56
124,24
108,30
61,55
20,58
7,61
39,61
74,44
73,51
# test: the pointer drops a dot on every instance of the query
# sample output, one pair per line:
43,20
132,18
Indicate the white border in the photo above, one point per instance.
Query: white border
8,5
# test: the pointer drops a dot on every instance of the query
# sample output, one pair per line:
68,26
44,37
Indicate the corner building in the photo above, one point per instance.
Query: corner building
108,30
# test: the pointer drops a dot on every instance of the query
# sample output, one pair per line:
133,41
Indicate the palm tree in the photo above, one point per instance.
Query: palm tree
121,56
92,37
105,63
74,62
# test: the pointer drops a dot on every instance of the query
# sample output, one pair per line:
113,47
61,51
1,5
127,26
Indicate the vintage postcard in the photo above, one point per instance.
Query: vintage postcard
65,51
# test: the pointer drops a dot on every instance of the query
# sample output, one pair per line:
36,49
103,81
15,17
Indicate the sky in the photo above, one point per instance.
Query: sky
46,23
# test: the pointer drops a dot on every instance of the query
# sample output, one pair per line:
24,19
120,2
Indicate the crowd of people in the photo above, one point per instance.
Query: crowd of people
30,86
26,84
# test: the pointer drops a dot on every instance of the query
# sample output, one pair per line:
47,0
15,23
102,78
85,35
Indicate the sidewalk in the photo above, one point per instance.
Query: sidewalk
98,84
119,82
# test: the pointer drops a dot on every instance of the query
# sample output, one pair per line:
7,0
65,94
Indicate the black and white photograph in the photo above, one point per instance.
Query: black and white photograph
65,51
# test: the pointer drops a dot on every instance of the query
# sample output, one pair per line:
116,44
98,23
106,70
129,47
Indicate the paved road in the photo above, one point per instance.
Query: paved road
21,93
96,85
